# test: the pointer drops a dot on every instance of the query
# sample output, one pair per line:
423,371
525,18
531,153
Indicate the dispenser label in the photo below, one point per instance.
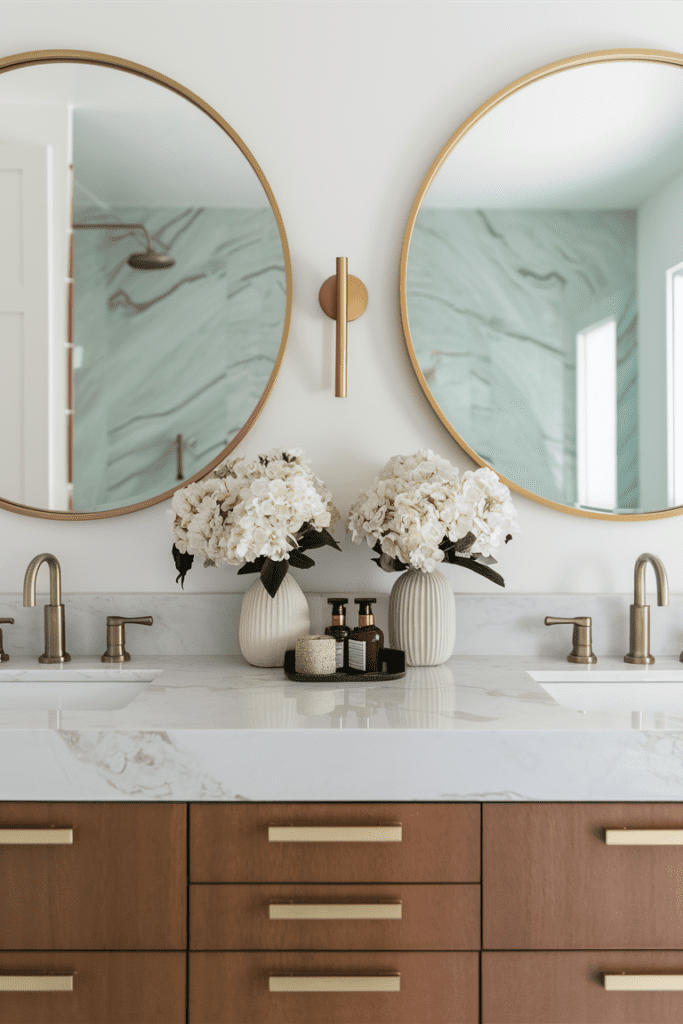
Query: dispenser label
339,653
357,649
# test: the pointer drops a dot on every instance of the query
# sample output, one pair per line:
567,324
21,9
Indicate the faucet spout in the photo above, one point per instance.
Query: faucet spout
55,643
639,633
639,580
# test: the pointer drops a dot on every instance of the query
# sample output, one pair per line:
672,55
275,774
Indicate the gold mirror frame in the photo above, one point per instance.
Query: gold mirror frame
596,57
23,60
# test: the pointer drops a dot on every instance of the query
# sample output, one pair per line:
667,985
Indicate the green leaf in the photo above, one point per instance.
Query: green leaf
299,560
183,564
272,574
482,570
254,566
313,538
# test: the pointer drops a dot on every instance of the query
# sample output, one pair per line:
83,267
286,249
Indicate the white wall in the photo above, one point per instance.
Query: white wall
345,106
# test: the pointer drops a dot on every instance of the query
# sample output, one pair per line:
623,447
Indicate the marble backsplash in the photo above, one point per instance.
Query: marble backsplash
207,624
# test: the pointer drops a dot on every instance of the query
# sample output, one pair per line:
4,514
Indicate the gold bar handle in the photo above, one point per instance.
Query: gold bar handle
643,982
335,911
335,833
342,321
36,983
335,983
343,298
36,836
644,836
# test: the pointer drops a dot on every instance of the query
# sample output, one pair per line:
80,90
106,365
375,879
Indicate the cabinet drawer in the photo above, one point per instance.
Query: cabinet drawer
234,988
438,843
108,988
351,917
552,882
569,988
118,884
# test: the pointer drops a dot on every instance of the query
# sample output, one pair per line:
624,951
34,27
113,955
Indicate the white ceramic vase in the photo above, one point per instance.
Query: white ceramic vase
269,626
422,617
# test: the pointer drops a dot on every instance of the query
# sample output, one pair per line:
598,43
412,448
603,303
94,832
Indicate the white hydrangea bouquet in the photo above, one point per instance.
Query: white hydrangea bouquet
260,513
419,512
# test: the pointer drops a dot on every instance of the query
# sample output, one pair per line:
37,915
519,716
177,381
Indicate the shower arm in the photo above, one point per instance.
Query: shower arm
130,227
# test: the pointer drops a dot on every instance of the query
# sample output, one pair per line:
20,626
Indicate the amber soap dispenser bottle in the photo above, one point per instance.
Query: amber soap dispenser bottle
340,631
366,640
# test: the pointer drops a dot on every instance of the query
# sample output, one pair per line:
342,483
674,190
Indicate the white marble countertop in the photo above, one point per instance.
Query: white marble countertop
214,728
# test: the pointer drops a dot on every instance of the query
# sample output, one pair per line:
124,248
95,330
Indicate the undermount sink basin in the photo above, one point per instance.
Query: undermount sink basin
62,688
646,689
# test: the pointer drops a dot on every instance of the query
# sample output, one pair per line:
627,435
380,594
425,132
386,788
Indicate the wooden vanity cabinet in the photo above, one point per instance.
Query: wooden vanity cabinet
562,908
430,868
119,884
93,901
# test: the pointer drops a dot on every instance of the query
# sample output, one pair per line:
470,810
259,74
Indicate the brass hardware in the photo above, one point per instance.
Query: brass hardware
644,836
639,632
596,57
36,983
350,295
335,911
36,836
116,638
335,833
582,651
643,982
85,57
3,656
335,983
55,627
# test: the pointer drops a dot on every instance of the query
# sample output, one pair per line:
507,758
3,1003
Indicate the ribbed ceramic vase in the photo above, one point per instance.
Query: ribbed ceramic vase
269,626
422,617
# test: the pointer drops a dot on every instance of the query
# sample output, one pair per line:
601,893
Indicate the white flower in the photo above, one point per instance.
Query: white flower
419,501
248,508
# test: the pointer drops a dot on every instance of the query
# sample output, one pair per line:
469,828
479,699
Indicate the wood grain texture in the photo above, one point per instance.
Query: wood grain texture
121,885
438,917
232,988
551,882
229,843
567,988
109,988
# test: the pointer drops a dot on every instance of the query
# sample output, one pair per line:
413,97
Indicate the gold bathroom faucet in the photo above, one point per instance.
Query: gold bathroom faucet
639,635
55,630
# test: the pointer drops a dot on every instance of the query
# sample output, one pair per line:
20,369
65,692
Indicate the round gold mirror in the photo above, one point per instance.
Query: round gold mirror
145,291
542,285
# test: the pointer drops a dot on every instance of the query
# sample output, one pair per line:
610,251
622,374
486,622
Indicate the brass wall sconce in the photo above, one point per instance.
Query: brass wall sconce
343,298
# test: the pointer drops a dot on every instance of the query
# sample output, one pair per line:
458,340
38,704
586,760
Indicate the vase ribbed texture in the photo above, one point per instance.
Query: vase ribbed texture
422,617
269,626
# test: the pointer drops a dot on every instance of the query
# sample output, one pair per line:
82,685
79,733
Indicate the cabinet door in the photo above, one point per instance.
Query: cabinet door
119,884
551,881
569,988
410,917
435,843
432,988
92,988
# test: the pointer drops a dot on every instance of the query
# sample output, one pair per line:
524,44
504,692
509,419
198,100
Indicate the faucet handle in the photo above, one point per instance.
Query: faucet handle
3,656
116,637
582,638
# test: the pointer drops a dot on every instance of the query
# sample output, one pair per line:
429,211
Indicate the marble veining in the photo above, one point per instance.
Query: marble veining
477,728
496,299
187,350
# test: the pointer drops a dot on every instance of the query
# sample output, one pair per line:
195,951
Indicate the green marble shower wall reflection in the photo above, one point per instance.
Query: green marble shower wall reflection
186,350
496,299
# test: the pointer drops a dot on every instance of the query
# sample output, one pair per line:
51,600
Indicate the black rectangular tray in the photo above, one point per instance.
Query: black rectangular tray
393,667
